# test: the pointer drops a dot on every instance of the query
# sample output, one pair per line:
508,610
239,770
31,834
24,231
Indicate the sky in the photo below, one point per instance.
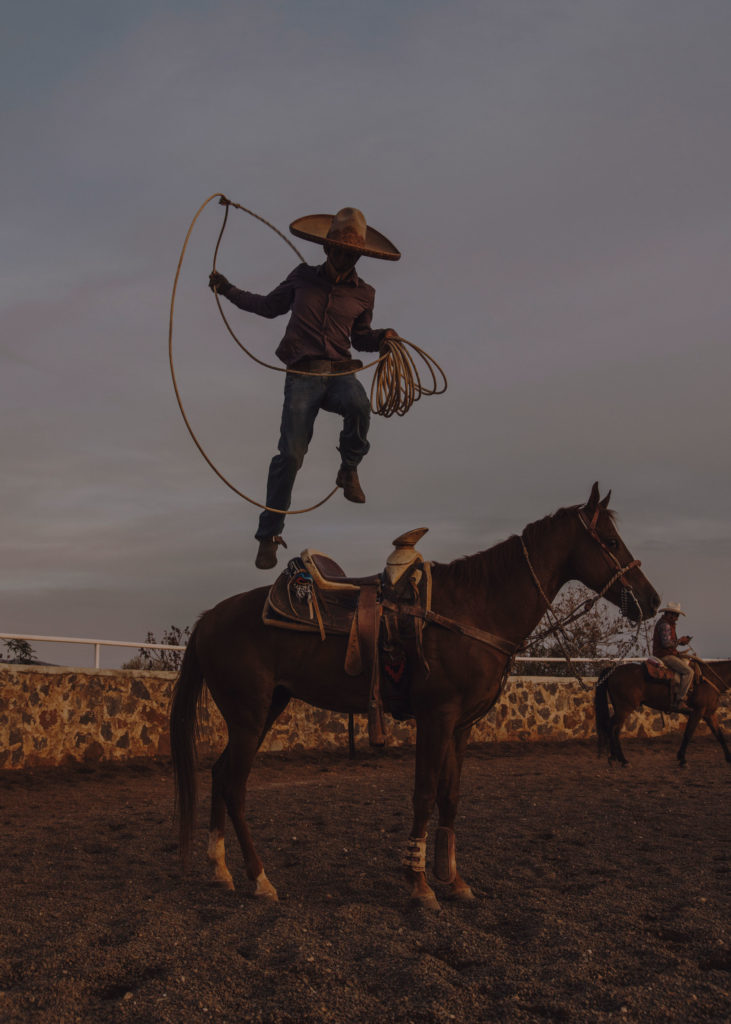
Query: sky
556,174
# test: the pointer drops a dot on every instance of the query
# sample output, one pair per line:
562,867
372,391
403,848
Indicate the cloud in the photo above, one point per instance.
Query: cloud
556,176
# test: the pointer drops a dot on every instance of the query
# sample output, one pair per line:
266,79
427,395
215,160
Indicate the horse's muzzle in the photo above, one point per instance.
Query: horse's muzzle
633,608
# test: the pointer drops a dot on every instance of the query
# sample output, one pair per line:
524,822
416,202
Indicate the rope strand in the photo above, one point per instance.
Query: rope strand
396,382
199,446
557,630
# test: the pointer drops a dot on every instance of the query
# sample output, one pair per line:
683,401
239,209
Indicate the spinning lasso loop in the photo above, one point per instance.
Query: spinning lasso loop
396,384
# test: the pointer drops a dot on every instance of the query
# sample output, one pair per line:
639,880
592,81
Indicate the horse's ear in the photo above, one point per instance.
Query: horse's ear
605,501
593,497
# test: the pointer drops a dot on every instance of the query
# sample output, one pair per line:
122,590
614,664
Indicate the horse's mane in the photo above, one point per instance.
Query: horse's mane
492,566
718,672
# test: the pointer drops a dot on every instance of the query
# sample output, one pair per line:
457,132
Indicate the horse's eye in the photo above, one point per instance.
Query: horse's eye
612,543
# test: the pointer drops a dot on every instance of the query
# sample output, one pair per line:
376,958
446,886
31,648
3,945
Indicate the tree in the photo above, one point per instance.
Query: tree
18,652
161,661
601,633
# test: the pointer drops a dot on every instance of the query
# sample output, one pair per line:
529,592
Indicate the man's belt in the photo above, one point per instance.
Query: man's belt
312,365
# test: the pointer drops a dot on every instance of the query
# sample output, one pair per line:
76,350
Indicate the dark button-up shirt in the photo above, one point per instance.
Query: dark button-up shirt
326,316
664,638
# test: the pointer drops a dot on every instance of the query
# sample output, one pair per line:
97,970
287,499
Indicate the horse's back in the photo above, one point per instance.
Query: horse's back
236,614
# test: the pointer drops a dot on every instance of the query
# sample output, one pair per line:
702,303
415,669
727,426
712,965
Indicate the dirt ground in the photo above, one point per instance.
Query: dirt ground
603,895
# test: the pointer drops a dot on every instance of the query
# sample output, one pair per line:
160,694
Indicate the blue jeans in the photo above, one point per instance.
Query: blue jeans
303,399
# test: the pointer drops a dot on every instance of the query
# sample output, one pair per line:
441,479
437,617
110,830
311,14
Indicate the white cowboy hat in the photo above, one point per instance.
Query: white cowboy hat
346,229
674,607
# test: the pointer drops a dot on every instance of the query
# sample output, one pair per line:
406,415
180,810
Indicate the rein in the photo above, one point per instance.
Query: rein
557,628
427,615
705,667
505,646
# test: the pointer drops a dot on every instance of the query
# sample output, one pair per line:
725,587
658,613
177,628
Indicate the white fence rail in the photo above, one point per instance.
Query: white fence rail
96,644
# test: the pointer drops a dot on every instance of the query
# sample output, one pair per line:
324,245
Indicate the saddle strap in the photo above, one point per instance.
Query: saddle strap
368,616
427,615
353,660
318,614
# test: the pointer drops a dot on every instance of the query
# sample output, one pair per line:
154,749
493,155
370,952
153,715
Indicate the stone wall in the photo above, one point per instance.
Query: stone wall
61,716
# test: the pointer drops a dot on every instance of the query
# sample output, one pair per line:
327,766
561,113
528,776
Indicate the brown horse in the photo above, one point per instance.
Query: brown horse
628,687
252,671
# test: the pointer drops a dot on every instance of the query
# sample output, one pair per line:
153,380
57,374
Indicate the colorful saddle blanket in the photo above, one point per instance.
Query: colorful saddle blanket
656,669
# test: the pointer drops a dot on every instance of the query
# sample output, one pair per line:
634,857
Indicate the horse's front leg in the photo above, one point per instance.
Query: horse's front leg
433,740
445,852
693,719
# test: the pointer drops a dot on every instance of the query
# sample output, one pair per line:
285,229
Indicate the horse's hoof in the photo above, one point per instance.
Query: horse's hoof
265,889
464,895
682,764
427,902
223,883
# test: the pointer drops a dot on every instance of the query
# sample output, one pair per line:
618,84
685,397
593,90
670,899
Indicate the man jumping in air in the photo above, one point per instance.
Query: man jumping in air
331,309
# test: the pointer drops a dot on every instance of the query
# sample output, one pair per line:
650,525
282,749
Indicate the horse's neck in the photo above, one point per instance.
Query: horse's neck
496,589
719,673
544,571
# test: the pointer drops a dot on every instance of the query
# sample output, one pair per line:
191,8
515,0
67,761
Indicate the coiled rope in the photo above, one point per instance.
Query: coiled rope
396,384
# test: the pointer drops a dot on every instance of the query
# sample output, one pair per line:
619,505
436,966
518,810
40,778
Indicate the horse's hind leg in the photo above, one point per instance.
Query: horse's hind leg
216,848
615,747
712,722
219,773
280,699
445,854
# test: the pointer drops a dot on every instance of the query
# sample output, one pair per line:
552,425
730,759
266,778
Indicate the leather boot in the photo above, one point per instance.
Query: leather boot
266,557
680,703
347,478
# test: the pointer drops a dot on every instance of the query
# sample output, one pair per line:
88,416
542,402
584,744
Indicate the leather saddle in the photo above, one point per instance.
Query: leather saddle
314,594
657,670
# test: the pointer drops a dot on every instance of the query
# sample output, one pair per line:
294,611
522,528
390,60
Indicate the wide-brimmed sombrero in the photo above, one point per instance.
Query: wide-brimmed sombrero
347,229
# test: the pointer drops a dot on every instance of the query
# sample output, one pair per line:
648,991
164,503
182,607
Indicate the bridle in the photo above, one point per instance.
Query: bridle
627,595
627,591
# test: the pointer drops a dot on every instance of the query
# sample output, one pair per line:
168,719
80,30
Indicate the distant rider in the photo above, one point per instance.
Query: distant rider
665,645
331,308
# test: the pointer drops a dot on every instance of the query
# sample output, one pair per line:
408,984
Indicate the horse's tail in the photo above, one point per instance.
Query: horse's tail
602,714
183,736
